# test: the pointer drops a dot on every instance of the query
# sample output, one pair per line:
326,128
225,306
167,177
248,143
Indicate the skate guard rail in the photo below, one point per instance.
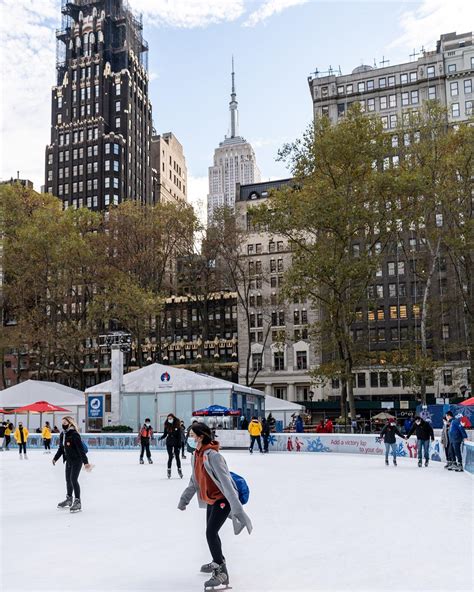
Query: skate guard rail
292,443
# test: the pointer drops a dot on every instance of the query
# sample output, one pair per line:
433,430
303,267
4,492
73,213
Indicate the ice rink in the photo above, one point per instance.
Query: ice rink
322,522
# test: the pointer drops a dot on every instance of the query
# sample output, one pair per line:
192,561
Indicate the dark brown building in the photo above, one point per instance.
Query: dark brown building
101,121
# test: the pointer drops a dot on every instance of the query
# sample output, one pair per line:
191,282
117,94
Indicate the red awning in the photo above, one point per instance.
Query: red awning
39,407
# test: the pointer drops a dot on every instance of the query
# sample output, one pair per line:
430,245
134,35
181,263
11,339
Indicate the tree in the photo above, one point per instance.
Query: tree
336,218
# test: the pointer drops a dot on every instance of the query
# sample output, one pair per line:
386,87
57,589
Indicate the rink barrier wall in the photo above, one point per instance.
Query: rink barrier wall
292,443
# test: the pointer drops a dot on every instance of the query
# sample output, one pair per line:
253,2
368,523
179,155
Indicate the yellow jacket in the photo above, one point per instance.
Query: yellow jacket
8,431
255,428
17,434
46,433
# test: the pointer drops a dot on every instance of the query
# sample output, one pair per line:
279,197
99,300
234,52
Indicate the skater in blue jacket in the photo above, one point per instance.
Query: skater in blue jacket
457,434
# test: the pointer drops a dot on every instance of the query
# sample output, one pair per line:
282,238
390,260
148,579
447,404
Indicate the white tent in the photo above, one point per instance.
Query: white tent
281,409
31,391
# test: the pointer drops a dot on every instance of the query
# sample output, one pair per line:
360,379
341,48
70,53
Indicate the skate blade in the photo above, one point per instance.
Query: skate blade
75,511
217,588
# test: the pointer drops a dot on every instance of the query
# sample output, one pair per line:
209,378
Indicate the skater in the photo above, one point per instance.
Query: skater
184,439
46,435
265,434
217,492
244,424
8,435
457,434
299,427
74,455
146,434
255,430
321,428
329,428
3,427
172,433
271,422
389,433
445,439
21,437
424,432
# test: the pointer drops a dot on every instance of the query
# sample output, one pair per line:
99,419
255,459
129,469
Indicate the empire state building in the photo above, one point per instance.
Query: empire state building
234,162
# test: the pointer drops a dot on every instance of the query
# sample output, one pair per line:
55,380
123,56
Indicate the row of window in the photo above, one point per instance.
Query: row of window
393,312
279,361
454,87
272,247
279,336
456,111
393,379
255,267
378,334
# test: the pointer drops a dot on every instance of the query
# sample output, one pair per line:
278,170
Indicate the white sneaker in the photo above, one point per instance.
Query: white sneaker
21,456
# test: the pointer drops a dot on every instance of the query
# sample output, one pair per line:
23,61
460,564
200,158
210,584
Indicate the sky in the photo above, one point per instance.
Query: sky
276,45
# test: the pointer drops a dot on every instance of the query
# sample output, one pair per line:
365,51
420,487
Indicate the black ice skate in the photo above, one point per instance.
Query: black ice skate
219,579
208,567
150,462
426,463
448,464
169,473
420,463
142,462
394,462
458,468
251,450
386,461
67,503
452,466
76,506
180,473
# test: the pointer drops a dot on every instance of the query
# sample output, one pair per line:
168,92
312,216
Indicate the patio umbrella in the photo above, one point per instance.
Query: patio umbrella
383,415
40,407
468,402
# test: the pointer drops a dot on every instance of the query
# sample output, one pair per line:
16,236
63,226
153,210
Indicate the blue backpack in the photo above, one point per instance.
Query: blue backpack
84,446
242,487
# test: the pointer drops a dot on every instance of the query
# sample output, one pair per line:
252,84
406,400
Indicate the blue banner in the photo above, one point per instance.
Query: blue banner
95,406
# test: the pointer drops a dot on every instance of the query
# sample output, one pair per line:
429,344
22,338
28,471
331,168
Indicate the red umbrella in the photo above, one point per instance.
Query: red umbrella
468,402
39,407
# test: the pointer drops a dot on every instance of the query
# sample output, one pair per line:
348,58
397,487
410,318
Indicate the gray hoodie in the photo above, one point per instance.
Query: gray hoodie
217,469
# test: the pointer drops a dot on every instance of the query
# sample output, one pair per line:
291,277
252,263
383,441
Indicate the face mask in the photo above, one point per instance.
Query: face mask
192,443
170,421
147,424
418,422
65,426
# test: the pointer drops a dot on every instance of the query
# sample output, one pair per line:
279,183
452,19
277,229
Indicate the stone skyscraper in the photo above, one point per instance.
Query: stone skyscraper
234,162
101,113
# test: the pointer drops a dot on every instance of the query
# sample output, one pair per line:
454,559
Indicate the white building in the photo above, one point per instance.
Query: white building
234,162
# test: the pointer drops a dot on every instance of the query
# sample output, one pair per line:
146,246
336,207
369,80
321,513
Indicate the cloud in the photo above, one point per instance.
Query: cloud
198,188
269,8
423,25
189,13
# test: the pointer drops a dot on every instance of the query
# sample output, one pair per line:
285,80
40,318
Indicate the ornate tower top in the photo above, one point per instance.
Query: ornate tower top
234,114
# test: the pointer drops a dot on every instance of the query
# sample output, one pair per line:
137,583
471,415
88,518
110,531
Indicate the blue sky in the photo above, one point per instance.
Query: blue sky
276,44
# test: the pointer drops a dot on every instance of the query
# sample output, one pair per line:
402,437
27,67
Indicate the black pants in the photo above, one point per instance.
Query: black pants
456,453
145,447
447,451
252,442
266,438
183,446
173,450
217,514
7,441
22,447
73,468
47,443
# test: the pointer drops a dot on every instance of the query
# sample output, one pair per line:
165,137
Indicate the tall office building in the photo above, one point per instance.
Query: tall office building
234,162
101,113
169,172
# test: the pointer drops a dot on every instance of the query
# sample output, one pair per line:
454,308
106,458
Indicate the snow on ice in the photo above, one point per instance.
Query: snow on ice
322,522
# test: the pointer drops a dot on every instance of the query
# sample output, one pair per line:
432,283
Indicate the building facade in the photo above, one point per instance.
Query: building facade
445,74
279,349
389,320
234,162
101,113
169,172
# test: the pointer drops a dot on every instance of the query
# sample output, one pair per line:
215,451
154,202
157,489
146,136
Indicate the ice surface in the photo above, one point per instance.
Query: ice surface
322,522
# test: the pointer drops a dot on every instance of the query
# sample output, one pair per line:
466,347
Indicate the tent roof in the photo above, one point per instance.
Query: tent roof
152,379
31,391
275,404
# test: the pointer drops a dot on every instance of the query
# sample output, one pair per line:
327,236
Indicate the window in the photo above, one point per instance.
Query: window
451,68
361,380
117,106
301,360
280,246
454,89
279,392
430,71
356,250
393,312
469,105
403,78
280,264
296,317
393,121
392,100
382,83
370,104
380,313
391,80
335,383
361,87
416,311
392,290
370,85
249,249
116,166
405,99
256,362
383,102
432,93
374,379
401,267
379,290
117,122
414,97
116,149
468,86
446,331
304,316
271,247
324,91
447,377
278,361
384,120
107,165
349,89
117,88
383,377
340,90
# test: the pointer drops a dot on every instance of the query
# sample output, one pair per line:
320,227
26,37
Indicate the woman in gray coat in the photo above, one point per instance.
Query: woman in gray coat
217,493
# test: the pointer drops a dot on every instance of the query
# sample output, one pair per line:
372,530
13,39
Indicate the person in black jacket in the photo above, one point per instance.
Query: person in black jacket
266,434
173,434
389,433
184,439
424,432
74,455
3,427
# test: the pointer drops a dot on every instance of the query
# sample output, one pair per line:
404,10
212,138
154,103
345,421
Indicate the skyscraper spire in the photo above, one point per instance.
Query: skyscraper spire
234,114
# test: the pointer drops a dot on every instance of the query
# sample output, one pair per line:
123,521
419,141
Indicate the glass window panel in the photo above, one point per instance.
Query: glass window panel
130,411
